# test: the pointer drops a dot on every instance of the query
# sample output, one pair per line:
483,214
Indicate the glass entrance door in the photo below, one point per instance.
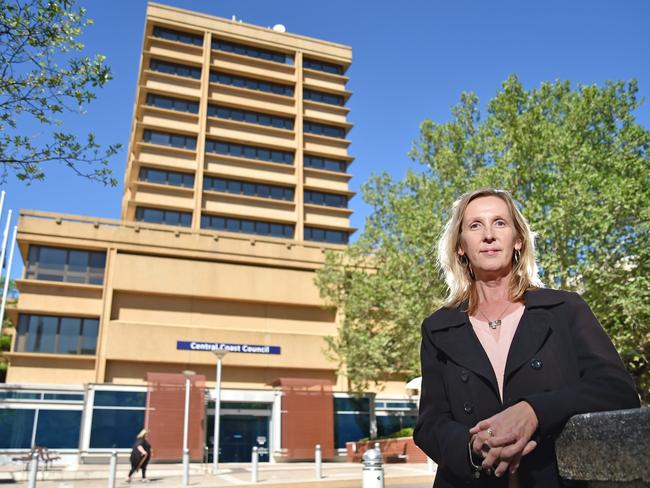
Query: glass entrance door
243,425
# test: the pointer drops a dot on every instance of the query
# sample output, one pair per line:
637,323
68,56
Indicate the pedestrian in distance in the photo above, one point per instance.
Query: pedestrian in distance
506,362
140,455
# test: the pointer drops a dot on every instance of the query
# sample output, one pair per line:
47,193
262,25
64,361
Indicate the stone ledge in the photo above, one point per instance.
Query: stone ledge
607,449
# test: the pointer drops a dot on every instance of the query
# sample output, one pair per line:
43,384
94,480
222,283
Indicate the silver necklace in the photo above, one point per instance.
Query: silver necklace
493,324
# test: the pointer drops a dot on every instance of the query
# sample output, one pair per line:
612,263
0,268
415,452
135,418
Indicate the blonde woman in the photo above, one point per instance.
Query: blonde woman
140,455
506,362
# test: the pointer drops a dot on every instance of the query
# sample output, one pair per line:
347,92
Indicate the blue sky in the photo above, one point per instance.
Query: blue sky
411,61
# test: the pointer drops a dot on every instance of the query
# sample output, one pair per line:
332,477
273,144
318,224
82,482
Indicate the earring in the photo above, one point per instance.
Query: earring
463,260
516,256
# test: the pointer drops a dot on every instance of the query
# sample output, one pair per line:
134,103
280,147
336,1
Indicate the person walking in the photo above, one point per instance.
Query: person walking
140,455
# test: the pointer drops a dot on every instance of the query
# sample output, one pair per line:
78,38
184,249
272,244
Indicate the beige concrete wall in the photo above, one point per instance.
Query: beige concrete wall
49,369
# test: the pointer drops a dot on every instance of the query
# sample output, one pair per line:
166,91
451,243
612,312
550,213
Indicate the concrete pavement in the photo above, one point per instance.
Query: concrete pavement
291,475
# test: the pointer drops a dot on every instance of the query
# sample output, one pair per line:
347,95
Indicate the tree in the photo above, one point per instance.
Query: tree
40,80
5,337
575,159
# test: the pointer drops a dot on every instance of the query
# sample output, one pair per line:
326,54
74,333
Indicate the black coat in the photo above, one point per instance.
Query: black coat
561,362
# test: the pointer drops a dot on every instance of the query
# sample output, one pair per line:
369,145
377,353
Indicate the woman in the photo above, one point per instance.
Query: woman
506,362
140,455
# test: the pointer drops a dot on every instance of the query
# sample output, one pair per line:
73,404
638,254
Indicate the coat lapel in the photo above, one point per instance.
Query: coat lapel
532,331
455,337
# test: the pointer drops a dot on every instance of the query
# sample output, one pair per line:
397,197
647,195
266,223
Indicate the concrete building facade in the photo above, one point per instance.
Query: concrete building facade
235,187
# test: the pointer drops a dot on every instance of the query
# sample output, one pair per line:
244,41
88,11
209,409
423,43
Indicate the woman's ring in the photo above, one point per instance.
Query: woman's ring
490,432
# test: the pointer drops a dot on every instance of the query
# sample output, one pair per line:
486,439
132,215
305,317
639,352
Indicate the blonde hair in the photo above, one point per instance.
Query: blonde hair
142,433
459,276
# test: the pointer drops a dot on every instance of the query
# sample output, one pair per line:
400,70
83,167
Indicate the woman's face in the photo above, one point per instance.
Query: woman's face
488,237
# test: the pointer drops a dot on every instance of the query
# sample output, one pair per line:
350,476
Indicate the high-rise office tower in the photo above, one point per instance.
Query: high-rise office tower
236,184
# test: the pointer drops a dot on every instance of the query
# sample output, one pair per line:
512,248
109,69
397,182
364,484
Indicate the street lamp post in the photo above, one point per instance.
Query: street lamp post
217,410
186,421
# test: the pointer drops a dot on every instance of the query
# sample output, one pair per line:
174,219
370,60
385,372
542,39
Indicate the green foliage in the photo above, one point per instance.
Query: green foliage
405,432
575,159
39,81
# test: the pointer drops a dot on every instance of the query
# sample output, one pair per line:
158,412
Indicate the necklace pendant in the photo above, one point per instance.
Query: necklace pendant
494,323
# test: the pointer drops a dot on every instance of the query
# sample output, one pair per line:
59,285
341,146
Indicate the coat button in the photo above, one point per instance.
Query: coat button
468,407
464,376
536,364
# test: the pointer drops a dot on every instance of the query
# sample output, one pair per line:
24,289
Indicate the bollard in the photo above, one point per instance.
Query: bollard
186,467
431,465
33,470
112,469
373,469
318,457
254,463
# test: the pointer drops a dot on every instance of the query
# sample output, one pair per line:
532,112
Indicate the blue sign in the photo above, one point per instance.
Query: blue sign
222,346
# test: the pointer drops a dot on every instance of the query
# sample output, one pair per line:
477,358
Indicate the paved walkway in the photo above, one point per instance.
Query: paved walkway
293,475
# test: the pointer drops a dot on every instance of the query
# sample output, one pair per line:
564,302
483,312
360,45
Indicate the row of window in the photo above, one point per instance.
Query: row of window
175,69
178,36
175,178
328,199
170,103
250,152
322,66
250,117
251,84
253,52
68,265
163,177
56,335
169,139
160,216
323,97
326,235
247,226
248,188
324,163
323,129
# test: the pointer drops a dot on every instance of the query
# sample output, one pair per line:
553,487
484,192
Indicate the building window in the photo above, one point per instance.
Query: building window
169,139
326,164
57,335
351,420
67,265
253,52
162,177
177,104
178,36
249,152
55,428
117,418
248,188
326,235
322,97
160,216
175,69
251,84
395,415
324,130
230,224
323,66
250,117
327,199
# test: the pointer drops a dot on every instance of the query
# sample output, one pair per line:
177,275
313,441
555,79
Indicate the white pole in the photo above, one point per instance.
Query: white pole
5,236
112,469
186,424
254,465
7,277
217,412
319,462
2,202
33,471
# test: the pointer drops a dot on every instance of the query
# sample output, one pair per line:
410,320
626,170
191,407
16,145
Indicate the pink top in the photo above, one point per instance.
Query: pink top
496,342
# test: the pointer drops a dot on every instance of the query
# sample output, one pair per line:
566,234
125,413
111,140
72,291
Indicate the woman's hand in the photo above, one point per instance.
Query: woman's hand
509,434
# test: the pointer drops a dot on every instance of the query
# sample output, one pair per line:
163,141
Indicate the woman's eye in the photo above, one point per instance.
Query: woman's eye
500,223
474,225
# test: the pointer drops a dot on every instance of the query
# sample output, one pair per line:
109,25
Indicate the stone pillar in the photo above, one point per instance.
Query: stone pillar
607,449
